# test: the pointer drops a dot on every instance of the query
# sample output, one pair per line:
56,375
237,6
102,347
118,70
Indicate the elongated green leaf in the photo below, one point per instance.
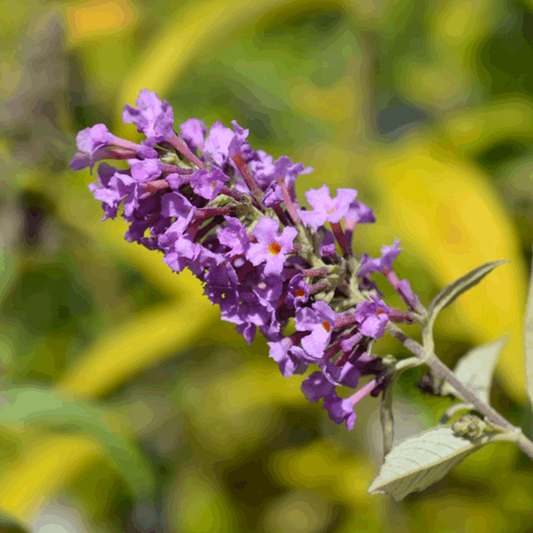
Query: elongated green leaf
55,411
476,369
451,292
528,341
418,462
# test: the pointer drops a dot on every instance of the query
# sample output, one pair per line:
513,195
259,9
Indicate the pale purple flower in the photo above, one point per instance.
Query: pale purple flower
152,117
271,248
234,236
174,204
92,139
193,133
145,169
208,184
325,208
320,321
372,317
222,143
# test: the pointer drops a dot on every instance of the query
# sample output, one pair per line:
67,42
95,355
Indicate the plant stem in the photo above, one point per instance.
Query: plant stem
442,371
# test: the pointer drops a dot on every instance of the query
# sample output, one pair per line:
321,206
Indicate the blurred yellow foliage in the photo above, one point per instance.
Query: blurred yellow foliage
98,18
446,212
44,467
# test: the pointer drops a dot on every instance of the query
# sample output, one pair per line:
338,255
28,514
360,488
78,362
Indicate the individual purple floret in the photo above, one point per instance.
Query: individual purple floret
325,208
208,184
152,117
340,410
211,203
319,320
271,248
383,263
193,133
372,317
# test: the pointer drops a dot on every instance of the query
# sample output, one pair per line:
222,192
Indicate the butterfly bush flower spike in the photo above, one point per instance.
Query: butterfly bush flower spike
206,200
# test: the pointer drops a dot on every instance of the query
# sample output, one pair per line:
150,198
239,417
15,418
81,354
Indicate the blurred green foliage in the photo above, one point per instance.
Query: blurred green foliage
126,404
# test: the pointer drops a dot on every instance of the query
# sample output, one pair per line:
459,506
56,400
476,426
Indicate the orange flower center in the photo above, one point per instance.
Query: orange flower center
300,293
274,248
380,312
326,326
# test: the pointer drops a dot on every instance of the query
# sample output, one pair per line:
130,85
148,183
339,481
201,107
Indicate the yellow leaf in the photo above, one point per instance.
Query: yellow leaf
98,17
44,467
448,214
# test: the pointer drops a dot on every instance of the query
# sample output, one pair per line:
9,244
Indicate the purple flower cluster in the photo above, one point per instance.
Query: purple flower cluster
229,213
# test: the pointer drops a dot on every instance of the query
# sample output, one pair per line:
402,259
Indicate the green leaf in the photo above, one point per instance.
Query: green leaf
418,462
451,292
528,341
49,410
476,368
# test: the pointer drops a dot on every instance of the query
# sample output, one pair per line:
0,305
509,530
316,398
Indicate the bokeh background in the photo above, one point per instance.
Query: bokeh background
126,404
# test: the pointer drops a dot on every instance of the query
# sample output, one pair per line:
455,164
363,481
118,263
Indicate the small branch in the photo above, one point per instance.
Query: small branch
443,372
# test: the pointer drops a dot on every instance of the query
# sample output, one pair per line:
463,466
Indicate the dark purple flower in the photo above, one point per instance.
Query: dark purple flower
108,192
372,317
382,264
327,244
316,386
288,363
348,374
360,214
325,208
271,248
297,292
319,320
340,410
273,195
152,117
181,252
174,204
